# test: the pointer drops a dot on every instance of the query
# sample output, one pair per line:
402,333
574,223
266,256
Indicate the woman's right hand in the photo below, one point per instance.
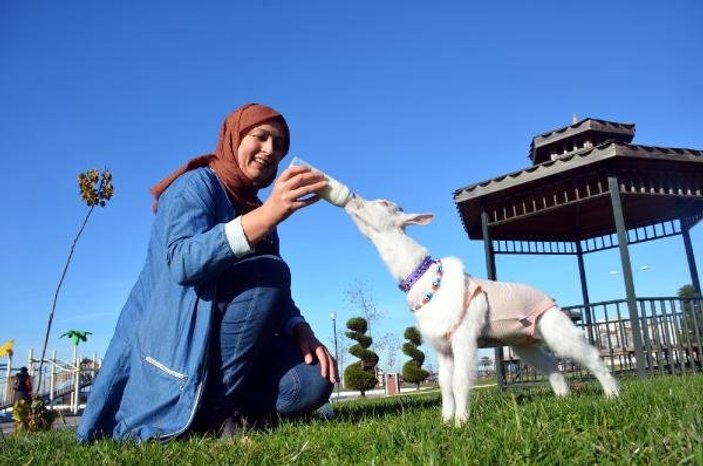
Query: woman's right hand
294,189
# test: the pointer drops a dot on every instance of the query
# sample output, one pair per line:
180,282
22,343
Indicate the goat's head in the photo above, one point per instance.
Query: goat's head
380,217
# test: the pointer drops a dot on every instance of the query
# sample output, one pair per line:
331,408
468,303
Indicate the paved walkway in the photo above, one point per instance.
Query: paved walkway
341,396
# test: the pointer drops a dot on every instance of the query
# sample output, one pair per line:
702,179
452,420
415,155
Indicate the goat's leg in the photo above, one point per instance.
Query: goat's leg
566,340
464,342
446,374
546,364
464,375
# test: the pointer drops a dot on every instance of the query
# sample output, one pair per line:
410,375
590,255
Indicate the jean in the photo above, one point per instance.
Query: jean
255,369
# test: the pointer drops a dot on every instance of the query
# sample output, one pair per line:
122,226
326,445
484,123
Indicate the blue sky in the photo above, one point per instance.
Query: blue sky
399,99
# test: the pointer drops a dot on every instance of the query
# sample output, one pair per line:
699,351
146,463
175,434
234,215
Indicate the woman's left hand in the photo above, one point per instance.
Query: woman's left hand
312,350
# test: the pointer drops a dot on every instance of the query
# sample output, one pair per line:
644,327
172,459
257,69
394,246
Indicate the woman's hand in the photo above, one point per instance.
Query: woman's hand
313,350
294,189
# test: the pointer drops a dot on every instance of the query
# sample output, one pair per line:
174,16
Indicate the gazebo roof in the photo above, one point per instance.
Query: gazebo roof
567,198
589,131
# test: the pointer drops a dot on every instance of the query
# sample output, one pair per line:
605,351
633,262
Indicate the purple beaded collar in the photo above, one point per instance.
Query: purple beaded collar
406,284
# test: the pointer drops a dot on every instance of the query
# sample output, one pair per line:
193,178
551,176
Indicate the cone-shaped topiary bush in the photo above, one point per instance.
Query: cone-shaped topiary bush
360,375
412,370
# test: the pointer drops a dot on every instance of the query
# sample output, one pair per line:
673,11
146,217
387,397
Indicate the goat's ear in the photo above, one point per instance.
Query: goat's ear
417,219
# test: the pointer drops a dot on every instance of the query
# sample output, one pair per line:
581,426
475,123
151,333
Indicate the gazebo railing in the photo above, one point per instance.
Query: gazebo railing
671,330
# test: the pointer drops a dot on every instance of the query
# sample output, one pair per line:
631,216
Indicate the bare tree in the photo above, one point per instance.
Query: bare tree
358,297
389,344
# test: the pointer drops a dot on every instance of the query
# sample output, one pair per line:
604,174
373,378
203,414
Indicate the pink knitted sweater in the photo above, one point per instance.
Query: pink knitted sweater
513,310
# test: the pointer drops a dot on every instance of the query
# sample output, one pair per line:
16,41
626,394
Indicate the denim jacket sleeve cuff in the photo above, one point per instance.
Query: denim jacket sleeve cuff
236,238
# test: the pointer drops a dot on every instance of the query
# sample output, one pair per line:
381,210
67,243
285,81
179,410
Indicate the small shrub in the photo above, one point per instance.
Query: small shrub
33,415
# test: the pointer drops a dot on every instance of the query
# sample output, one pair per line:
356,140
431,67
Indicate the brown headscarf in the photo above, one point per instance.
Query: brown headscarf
241,190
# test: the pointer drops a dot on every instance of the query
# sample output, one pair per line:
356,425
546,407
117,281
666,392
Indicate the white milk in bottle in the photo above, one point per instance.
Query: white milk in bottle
336,192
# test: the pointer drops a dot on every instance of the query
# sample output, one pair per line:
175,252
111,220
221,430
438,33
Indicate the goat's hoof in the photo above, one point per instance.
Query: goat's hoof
460,420
447,419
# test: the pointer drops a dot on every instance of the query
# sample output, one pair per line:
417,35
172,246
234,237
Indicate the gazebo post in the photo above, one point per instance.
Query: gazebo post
614,189
491,275
685,227
584,291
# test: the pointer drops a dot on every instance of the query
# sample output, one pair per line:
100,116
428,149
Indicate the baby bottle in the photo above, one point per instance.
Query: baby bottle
335,192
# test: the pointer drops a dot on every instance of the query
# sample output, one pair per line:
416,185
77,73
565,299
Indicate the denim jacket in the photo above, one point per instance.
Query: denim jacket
153,373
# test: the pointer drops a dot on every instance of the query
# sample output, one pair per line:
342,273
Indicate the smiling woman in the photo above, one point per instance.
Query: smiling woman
210,335
261,150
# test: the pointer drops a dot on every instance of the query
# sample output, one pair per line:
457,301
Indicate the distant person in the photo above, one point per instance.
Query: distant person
210,334
22,385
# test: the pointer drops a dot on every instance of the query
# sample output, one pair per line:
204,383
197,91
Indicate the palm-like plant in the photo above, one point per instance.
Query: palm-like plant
76,336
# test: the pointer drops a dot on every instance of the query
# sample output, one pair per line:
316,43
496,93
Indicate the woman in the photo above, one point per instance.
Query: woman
22,385
210,328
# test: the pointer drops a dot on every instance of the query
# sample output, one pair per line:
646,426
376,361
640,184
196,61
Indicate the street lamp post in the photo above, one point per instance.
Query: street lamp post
333,316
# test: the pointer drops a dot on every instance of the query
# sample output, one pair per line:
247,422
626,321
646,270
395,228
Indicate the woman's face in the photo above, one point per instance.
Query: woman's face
260,150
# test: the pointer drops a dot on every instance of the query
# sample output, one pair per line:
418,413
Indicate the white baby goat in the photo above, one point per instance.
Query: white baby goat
457,313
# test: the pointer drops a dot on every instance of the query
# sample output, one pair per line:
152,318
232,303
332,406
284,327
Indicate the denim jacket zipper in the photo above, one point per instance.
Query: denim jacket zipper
162,367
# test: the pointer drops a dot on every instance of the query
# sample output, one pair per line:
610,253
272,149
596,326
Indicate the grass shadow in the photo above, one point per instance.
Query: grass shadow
394,406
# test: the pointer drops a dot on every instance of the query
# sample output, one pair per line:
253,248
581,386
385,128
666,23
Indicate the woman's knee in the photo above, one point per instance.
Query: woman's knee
267,272
303,390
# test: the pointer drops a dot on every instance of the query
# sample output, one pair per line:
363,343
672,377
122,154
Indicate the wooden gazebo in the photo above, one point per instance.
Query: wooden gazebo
589,188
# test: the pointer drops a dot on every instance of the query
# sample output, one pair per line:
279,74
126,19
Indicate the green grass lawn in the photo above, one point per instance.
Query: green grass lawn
656,421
